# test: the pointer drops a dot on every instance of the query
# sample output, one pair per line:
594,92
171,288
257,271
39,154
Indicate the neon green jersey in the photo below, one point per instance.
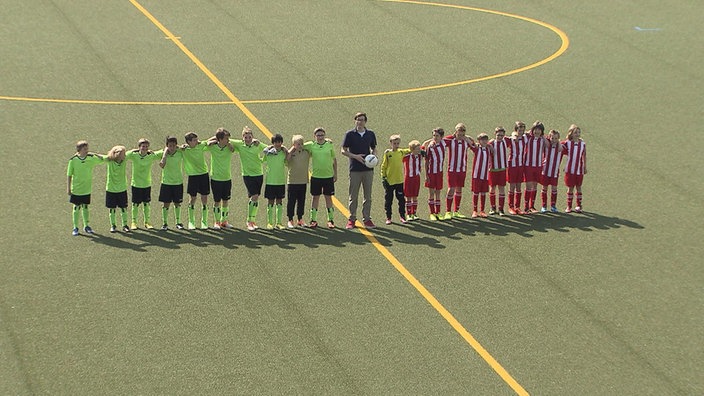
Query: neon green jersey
142,167
275,168
250,162
194,159
81,172
117,177
220,157
323,159
172,172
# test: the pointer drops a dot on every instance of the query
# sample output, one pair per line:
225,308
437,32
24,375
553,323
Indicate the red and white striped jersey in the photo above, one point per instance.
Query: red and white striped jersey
500,158
480,166
516,151
576,152
457,150
435,158
411,165
535,145
552,159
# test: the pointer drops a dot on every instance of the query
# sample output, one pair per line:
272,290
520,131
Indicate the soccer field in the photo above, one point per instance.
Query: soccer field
609,301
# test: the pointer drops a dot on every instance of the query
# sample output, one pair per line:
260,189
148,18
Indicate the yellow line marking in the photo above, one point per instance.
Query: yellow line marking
384,251
565,42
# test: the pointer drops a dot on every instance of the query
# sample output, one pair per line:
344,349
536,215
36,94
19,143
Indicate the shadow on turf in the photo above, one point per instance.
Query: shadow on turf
431,233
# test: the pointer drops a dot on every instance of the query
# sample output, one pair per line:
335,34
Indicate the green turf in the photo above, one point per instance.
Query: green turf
608,302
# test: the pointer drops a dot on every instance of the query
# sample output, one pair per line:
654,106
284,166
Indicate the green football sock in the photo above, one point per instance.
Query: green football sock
177,211
279,213
250,211
223,214
314,214
123,216
112,217
204,215
147,212
135,212
270,214
164,215
331,213
75,214
217,213
191,214
86,215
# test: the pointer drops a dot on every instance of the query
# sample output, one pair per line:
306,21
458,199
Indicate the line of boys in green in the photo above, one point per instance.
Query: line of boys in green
189,157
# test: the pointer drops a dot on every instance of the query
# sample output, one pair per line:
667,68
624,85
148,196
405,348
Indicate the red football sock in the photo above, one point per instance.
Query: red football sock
553,198
475,200
544,197
492,199
483,201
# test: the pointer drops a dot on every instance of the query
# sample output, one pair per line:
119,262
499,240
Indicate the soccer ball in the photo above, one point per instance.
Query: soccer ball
371,160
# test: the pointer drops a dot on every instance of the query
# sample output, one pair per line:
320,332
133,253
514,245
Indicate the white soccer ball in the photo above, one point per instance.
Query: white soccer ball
371,160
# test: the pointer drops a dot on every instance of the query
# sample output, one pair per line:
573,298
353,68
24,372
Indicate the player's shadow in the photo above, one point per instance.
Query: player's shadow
417,233
526,226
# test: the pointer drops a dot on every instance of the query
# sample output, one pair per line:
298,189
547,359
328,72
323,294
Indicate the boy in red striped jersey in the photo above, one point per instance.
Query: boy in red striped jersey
576,166
457,150
434,163
411,179
516,158
480,172
551,171
497,173
535,146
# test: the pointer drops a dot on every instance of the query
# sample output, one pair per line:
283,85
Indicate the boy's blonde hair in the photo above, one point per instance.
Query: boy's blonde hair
482,136
115,152
297,139
413,144
394,138
142,140
246,130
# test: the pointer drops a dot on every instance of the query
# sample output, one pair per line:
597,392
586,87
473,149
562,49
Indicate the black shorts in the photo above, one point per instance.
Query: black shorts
80,199
325,186
253,184
171,193
199,184
221,190
140,195
116,199
275,192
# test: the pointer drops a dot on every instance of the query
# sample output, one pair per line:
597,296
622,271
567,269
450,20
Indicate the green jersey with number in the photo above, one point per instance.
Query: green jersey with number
322,158
81,172
220,157
250,162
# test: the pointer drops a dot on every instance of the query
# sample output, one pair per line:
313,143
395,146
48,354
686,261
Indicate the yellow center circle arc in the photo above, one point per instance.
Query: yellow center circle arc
564,44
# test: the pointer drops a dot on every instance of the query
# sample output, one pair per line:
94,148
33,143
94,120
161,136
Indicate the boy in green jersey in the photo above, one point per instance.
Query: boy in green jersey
198,179
221,176
275,157
171,190
250,150
80,183
142,159
324,175
116,187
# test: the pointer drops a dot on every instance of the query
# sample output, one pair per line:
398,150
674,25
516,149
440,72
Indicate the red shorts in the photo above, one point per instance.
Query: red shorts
497,178
532,173
456,179
572,180
515,174
411,186
480,185
548,181
434,181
